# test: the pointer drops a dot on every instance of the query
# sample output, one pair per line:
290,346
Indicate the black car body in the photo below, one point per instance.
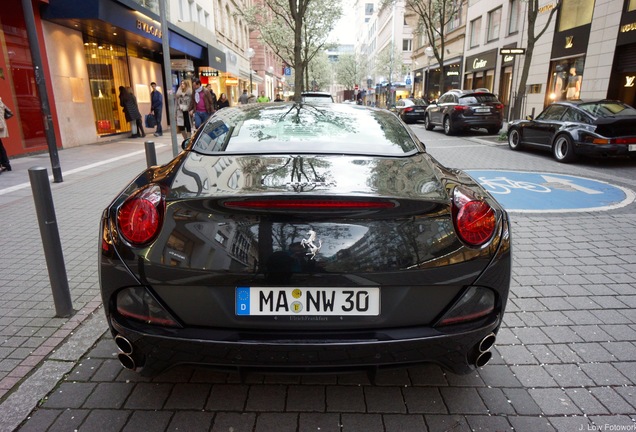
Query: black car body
572,128
298,237
460,110
410,110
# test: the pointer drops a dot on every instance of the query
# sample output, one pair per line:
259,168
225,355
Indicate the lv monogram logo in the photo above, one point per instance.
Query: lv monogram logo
569,41
629,81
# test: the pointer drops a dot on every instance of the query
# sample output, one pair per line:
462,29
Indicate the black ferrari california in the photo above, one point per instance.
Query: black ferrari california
572,128
296,237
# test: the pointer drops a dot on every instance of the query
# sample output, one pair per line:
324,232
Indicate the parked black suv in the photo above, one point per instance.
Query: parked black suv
458,110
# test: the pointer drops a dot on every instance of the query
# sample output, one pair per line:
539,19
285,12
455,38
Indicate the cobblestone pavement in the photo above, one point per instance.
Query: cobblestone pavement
565,358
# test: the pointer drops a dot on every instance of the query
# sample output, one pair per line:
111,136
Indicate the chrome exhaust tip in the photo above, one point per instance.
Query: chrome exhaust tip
126,361
483,358
124,345
487,342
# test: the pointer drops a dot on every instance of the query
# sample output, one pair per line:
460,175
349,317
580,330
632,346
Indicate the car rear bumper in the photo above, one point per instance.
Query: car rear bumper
228,350
605,150
478,122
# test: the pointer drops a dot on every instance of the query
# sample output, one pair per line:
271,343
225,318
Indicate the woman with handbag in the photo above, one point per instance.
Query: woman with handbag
5,113
182,102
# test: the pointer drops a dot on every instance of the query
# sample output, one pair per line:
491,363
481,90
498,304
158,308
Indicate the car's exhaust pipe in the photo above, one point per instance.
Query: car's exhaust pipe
482,350
126,357
126,361
487,342
123,344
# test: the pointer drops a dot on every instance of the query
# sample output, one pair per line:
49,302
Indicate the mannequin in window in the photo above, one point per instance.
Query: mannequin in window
574,85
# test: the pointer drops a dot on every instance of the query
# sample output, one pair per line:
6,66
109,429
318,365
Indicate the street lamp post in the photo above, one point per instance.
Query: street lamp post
429,53
250,54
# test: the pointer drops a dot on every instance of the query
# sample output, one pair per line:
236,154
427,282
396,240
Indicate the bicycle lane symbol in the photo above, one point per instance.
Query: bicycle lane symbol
535,192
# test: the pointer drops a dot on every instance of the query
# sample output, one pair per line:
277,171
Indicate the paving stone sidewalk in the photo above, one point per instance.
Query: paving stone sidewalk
29,329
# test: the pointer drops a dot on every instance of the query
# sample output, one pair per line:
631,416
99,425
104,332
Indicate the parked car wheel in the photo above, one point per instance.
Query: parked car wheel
514,139
449,129
427,123
563,149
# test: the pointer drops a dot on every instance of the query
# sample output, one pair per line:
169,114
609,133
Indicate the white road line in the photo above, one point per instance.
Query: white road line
76,170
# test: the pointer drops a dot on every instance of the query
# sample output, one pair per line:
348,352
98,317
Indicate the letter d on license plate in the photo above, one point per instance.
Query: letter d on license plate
307,301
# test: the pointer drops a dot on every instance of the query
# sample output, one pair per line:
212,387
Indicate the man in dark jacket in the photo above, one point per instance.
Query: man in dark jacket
156,107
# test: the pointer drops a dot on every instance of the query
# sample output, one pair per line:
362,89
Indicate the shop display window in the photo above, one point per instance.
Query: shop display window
107,70
566,79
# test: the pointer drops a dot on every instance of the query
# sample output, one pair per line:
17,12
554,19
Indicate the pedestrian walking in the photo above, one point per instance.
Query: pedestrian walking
214,99
262,98
201,103
279,98
182,114
223,101
244,98
156,107
128,102
5,113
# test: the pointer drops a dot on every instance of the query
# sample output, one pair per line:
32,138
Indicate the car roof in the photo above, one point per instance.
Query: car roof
464,92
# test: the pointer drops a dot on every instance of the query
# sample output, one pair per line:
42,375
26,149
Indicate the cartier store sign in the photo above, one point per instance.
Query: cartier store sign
484,61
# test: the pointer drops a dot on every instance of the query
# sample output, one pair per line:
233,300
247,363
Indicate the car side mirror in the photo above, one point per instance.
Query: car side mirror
529,117
185,143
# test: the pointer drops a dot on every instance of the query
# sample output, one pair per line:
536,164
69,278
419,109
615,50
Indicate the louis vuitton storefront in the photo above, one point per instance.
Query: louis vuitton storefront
623,81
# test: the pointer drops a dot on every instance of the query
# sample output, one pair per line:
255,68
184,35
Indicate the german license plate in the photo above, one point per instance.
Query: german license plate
252,301
482,110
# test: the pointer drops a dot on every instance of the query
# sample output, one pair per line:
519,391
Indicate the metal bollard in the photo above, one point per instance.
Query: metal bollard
151,154
51,241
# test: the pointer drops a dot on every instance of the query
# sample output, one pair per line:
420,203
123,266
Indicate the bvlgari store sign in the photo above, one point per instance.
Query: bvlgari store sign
481,62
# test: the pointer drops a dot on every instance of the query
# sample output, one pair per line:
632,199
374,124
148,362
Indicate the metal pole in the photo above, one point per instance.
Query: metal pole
165,32
34,45
151,154
51,241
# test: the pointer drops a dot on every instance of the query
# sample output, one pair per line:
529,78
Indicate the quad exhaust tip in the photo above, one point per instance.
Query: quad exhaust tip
483,350
125,357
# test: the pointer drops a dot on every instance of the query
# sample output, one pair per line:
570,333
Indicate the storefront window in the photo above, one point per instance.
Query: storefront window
575,13
632,5
566,79
107,70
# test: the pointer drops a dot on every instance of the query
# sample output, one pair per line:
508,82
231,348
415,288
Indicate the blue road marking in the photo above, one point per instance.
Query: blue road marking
539,192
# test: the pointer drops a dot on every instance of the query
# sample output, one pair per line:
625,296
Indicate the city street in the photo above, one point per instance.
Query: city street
564,360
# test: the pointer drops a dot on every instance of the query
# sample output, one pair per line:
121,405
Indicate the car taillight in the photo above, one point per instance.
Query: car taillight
409,109
475,220
140,217
460,107
499,106
615,141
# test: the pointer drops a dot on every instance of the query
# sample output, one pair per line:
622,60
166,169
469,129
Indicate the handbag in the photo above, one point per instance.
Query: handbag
150,121
7,113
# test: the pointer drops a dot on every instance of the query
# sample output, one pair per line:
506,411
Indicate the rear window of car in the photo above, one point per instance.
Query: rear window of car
419,102
608,109
304,128
477,98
